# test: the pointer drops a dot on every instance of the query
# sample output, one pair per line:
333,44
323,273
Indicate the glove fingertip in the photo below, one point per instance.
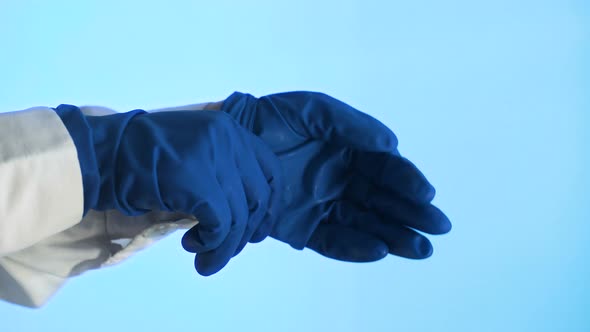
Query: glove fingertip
428,193
385,140
207,267
425,249
442,224
188,243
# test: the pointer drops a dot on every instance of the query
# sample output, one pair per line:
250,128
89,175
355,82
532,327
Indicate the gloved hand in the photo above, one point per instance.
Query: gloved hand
199,163
348,194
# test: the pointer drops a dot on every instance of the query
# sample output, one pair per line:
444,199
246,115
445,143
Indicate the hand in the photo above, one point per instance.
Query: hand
348,194
199,163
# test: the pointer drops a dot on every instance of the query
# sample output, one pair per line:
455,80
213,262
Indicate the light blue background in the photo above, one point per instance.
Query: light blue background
489,98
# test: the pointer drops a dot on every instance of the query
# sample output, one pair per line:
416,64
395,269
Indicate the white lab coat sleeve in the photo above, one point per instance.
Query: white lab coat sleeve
41,191
32,275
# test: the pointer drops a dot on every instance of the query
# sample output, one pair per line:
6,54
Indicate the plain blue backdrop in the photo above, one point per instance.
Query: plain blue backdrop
489,98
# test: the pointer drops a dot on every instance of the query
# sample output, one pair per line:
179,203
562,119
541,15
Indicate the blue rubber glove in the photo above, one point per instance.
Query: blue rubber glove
199,163
348,193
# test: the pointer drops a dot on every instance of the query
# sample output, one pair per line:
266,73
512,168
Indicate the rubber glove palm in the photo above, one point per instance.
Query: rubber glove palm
199,163
348,194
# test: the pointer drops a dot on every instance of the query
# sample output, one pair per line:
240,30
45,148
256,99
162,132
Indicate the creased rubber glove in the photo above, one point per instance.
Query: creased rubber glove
348,194
199,163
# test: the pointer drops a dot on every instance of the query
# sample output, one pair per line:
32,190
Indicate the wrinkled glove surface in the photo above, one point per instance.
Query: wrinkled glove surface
348,194
200,163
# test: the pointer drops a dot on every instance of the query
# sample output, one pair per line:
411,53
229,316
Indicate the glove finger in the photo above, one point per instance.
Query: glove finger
247,237
257,170
329,119
272,172
346,244
242,201
251,226
401,241
229,193
394,173
214,216
211,262
395,209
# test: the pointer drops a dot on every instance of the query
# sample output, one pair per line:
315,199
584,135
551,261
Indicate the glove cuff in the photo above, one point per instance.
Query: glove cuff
97,140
